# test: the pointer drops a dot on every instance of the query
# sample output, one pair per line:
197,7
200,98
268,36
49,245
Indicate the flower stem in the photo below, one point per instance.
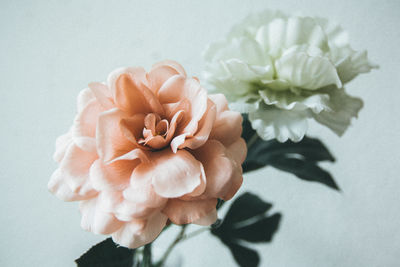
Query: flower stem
252,140
194,233
147,256
178,238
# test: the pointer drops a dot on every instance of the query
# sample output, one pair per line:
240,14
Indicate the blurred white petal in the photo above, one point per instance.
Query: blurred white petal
344,108
280,124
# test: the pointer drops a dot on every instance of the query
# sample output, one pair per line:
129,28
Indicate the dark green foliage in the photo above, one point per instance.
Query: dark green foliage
106,254
300,159
247,221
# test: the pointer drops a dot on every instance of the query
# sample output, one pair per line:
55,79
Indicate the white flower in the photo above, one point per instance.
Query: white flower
284,70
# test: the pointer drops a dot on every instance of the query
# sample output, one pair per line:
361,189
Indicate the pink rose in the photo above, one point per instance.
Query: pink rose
146,148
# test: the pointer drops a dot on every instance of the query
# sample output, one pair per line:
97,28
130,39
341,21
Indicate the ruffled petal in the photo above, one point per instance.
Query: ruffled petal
180,89
140,232
95,219
111,141
343,108
112,176
289,101
174,174
102,94
281,33
184,212
227,127
61,189
246,72
238,151
162,71
74,170
273,123
133,97
204,128
140,190
303,70
62,144
84,127
84,97
208,219
220,102
221,170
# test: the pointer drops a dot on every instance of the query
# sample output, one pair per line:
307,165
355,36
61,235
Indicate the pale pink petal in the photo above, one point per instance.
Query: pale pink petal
220,102
199,103
227,127
62,144
238,150
199,190
204,129
173,90
132,127
178,141
141,191
161,72
111,141
84,97
133,97
180,89
84,126
184,212
171,64
60,189
74,169
171,109
128,211
237,180
208,219
102,94
219,169
116,174
174,174
137,73
132,155
140,232
96,220
173,125
85,122
156,142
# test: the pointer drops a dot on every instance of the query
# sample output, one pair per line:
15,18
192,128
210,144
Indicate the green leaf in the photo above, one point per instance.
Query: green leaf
244,256
246,206
106,254
300,159
305,170
247,220
262,230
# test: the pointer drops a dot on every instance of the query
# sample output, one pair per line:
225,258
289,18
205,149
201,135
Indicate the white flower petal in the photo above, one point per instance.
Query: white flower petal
344,108
289,101
305,71
245,72
245,105
350,63
282,33
290,67
273,123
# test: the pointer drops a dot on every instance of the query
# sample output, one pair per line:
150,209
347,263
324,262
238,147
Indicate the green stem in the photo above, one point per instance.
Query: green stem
252,141
194,233
178,238
147,256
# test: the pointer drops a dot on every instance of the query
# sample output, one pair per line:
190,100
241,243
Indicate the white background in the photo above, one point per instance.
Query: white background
50,50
